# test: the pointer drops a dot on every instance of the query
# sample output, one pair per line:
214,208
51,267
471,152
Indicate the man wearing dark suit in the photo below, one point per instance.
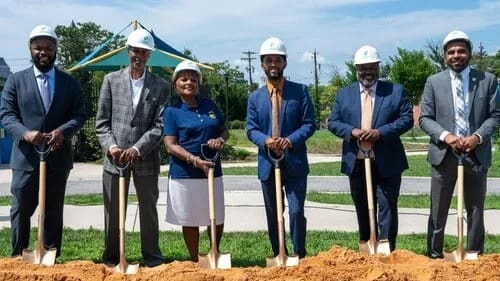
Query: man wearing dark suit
129,128
40,104
460,114
296,125
391,116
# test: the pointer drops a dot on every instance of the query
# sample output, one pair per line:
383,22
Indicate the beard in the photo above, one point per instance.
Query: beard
44,64
274,74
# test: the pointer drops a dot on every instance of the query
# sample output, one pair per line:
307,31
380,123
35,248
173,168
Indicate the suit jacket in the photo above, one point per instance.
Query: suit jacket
22,110
437,113
118,124
296,122
392,116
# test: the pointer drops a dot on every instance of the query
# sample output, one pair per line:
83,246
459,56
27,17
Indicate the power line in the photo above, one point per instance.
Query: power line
250,69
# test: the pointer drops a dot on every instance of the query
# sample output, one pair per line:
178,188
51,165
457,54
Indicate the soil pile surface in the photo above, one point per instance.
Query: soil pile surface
335,264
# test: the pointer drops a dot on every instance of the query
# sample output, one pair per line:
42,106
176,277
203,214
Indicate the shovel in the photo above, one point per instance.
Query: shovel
213,259
372,246
40,255
281,259
123,266
459,254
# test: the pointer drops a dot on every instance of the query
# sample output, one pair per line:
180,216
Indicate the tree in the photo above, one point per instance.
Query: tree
237,89
75,42
436,54
411,69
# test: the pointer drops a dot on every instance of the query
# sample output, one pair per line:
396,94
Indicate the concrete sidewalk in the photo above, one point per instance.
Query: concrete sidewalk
245,212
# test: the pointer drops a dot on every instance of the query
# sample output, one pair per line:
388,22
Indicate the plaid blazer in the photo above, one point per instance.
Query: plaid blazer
118,124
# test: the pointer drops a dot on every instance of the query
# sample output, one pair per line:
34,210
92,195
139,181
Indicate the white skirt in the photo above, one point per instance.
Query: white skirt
187,202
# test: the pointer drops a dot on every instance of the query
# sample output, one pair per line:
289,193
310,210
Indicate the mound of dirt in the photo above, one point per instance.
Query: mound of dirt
335,264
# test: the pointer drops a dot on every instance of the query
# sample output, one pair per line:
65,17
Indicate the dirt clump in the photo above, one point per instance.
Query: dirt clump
335,264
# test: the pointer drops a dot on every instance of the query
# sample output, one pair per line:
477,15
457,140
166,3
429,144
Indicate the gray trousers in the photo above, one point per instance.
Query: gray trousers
444,177
147,194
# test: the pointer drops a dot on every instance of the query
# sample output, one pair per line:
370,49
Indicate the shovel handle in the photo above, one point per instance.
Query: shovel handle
275,158
204,154
122,168
43,150
366,151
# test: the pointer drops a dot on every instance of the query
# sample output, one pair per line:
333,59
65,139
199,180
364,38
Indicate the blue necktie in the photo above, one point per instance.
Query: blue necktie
460,115
45,91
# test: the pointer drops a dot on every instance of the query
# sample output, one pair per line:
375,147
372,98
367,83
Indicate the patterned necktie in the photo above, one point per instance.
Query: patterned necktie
366,120
45,91
275,113
460,116
367,110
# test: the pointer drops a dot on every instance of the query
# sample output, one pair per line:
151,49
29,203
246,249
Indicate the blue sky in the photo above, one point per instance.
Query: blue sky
218,30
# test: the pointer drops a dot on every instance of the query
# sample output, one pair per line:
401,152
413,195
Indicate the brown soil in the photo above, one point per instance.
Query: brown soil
336,264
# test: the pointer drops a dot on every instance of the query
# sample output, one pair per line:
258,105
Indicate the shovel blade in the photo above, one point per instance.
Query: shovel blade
380,248
459,256
367,248
215,261
282,261
383,248
45,257
126,268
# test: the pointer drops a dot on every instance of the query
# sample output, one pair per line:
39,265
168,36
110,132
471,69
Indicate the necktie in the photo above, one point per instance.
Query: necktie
367,109
45,92
366,120
460,117
275,113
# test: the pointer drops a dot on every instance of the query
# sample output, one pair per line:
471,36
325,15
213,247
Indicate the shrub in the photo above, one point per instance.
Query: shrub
236,124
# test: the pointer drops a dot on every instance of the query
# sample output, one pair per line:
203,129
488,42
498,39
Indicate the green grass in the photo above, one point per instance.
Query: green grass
246,248
419,167
323,141
405,200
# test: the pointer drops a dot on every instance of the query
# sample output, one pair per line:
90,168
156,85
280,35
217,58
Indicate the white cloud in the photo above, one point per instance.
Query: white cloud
221,30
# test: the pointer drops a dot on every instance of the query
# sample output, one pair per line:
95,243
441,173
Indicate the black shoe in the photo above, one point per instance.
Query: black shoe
153,263
436,256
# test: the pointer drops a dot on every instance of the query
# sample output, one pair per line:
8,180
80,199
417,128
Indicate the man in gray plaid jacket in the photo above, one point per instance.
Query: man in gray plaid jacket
129,128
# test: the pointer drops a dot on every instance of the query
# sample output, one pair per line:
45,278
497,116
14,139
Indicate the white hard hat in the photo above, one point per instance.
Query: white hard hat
141,38
366,54
273,46
43,30
457,35
187,65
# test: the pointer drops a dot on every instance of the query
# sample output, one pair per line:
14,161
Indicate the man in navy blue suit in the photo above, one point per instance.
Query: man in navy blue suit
391,116
295,115
40,104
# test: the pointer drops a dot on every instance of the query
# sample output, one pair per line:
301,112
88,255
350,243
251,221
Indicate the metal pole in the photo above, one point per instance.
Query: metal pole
226,78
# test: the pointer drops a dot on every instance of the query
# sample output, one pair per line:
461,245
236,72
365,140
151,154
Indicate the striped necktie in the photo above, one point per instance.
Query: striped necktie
460,115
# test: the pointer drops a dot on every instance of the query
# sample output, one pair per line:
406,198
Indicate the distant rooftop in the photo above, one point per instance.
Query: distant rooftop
4,69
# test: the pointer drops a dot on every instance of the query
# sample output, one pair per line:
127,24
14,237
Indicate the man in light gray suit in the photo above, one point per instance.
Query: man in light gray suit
129,128
460,114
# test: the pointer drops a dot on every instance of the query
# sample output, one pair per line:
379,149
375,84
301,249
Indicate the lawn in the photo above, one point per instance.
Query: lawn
246,248
323,141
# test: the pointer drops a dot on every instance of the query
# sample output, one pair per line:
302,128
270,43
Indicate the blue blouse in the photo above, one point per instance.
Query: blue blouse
192,126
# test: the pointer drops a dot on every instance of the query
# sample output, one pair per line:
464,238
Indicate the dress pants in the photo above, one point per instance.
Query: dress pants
24,189
147,194
386,193
295,189
444,177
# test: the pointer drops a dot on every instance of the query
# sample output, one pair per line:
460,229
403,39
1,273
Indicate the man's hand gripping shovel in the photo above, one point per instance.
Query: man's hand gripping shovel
282,259
123,266
41,255
372,246
213,259
460,254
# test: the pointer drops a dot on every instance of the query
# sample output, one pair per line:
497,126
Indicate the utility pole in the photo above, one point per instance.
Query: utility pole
316,94
249,58
480,56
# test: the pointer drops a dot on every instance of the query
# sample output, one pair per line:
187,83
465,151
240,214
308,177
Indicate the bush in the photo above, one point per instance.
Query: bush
236,124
